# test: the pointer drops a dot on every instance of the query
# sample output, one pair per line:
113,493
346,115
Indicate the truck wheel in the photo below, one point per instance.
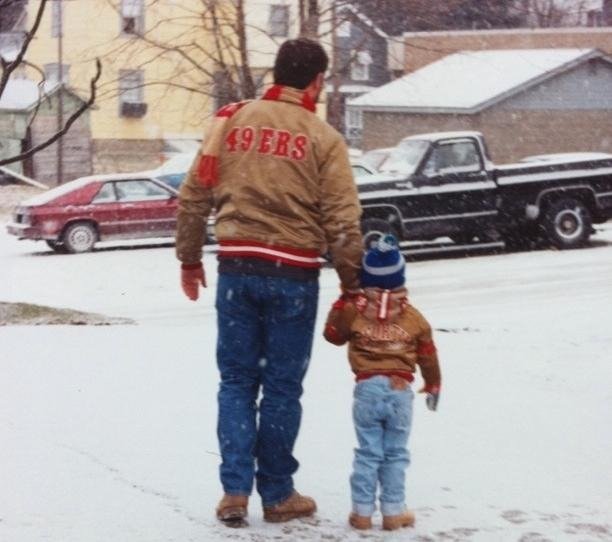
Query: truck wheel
375,228
567,223
79,237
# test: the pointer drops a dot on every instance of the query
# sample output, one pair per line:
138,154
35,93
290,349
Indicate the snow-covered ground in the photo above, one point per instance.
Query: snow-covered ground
108,433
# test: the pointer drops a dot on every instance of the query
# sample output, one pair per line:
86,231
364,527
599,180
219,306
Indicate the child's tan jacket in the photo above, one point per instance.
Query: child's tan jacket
386,335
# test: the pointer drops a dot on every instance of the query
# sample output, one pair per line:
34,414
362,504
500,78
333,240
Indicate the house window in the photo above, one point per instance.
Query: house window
353,119
343,30
131,93
360,66
279,20
52,73
132,16
56,18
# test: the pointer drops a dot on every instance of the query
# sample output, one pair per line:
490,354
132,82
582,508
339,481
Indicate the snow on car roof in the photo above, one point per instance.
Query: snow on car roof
66,188
469,80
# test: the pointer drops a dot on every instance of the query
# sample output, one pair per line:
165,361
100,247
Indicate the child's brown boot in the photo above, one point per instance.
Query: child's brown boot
392,523
361,523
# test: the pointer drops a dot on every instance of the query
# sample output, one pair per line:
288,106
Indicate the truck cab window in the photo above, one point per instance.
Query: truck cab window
454,157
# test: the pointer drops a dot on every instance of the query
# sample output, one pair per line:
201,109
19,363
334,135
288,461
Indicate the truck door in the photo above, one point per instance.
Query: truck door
456,194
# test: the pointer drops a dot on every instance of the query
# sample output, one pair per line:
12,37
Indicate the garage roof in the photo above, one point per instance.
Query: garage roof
470,81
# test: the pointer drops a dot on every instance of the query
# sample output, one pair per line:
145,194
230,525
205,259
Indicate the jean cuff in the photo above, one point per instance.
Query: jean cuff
362,509
392,508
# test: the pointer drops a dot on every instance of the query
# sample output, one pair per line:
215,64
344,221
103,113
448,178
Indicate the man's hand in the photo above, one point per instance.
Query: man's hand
192,276
432,397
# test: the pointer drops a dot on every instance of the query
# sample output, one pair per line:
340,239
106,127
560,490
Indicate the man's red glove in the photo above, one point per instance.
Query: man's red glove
432,397
192,276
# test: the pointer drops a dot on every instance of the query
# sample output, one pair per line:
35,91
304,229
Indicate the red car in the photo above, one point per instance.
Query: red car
75,215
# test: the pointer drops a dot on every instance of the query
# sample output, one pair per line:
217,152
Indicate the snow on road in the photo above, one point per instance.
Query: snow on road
108,433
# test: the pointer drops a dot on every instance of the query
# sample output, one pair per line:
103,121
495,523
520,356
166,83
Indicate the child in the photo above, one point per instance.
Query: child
387,338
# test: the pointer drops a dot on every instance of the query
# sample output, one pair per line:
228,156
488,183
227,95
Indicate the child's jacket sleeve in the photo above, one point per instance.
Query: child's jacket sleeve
338,325
428,359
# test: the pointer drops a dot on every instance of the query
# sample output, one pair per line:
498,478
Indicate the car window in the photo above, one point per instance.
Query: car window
140,190
106,194
455,157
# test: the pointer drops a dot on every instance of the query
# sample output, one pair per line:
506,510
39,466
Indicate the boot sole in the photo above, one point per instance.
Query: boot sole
235,523
233,517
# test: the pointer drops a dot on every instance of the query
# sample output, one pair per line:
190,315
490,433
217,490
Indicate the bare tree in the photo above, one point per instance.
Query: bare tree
552,13
209,51
9,66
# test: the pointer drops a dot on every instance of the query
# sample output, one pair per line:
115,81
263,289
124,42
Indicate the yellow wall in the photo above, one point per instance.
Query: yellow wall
92,29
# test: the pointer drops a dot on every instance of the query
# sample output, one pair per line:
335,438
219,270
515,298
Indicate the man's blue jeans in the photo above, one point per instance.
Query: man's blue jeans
382,418
265,333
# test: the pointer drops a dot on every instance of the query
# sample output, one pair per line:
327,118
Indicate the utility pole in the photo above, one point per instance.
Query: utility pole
60,93
334,114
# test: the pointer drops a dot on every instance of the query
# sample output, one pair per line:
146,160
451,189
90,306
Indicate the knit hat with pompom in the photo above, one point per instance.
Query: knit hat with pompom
383,265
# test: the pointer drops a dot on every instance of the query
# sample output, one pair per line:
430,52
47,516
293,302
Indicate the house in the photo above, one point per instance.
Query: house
29,117
150,99
359,64
526,101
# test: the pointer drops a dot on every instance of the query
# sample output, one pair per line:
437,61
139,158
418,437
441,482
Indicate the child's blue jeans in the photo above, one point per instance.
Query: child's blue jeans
382,418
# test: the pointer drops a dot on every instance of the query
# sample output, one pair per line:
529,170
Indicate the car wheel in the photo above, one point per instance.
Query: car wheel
57,246
375,228
567,223
79,237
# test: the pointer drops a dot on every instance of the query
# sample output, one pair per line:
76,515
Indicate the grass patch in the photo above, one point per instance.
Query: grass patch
26,314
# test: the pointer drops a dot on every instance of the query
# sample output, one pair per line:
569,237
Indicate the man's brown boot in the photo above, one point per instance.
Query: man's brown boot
392,523
294,506
362,523
232,510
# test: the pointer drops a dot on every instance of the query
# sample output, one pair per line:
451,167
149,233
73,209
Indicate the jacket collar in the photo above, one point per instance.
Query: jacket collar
292,95
383,305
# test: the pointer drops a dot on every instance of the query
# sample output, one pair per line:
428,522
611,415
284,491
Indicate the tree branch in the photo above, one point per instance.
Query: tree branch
84,107
9,67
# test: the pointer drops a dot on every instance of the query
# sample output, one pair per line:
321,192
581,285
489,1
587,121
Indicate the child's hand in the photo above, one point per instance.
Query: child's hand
432,396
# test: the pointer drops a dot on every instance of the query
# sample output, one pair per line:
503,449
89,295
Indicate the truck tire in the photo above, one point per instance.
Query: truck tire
79,237
567,223
375,228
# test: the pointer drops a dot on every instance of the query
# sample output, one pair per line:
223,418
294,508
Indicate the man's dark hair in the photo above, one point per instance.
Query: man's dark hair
298,62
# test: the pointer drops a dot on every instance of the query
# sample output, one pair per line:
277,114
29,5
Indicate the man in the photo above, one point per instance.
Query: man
280,182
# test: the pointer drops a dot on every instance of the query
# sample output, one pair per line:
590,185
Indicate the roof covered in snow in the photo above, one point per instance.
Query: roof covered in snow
21,94
470,81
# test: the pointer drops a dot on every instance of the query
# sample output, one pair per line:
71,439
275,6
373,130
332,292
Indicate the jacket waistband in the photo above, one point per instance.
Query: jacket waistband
405,375
297,257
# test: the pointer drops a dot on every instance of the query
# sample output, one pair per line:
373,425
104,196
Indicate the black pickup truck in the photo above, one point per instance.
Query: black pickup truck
445,185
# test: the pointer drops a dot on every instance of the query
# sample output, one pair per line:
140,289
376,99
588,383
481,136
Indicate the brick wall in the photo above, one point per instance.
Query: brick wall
510,135
422,48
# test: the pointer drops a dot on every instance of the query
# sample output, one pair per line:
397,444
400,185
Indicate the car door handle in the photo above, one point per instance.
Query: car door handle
405,184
